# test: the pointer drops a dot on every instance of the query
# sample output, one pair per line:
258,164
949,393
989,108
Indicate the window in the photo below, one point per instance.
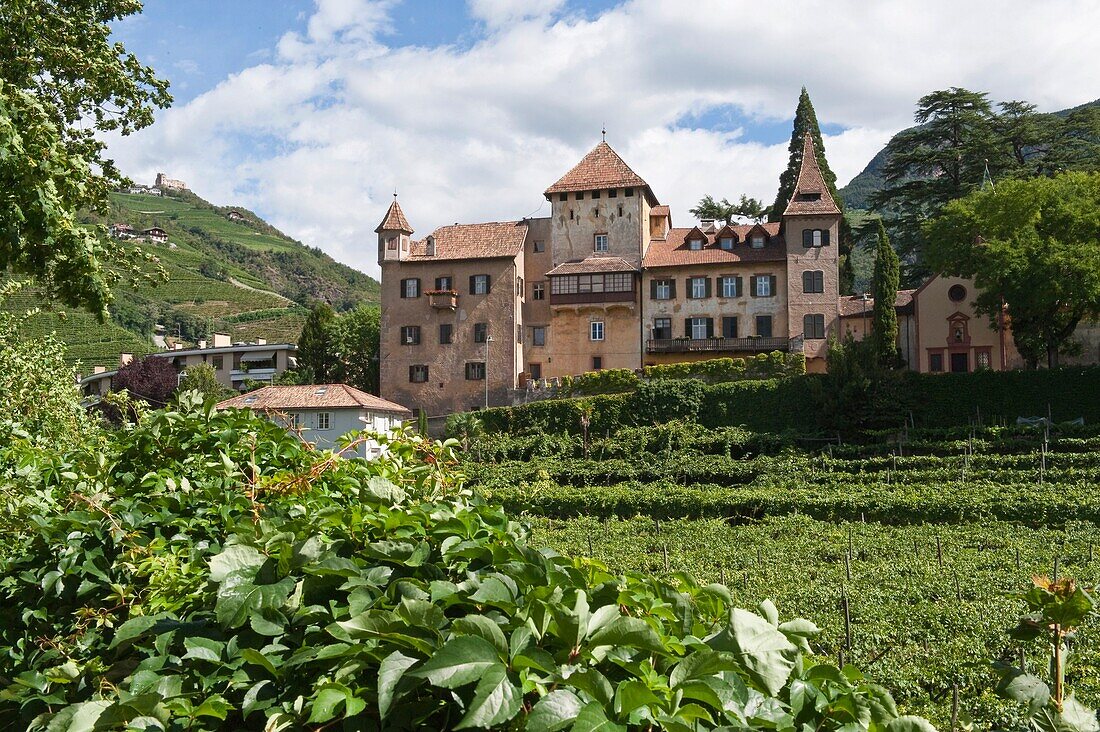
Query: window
573,284
391,243
726,242
813,326
446,334
662,328
418,373
695,244
699,328
662,289
519,332
475,370
410,335
729,326
957,293
538,335
612,192
218,362
597,363
538,291
812,238
731,286
764,326
410,287
579,195
935,362
595,330
960,363
981,360
763,285
595,194
758,241
538,247
813,282
444,283
519,286
698,287
628,192
479,284
535,370
324,420
600,243
563,196
481,331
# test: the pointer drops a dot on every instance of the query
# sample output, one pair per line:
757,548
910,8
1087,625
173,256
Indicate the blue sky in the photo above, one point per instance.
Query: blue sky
311,112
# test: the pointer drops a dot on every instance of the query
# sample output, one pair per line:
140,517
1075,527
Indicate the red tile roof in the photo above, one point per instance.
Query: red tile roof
674,252
600,168
659,211
851,306
811,195
471,241
313,396
593,264
395,220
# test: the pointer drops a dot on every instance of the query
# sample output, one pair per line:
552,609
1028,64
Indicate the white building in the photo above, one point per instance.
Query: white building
322,413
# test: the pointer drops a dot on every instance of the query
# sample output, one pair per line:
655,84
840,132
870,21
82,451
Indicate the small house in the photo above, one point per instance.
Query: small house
321,413
156,234
122,231
235,216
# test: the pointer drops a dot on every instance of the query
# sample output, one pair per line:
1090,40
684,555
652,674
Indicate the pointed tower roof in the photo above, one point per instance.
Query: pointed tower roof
395,219
811,195
600,168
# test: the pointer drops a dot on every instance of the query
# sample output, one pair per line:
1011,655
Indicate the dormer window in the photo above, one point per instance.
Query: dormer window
695,244
726,242
758,241
430,246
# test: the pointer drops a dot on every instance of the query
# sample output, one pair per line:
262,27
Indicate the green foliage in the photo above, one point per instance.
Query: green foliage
724,211
1034,244
204,379
885,290
859,391
208,571
356,334
316,346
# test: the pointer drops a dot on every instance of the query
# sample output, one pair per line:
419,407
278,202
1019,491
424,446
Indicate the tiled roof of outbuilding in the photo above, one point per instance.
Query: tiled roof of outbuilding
673,251
592,265
313,396
472,241
811,195
851,306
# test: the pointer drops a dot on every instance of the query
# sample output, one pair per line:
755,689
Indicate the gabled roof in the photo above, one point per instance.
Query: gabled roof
593,264
694,234
674,251
852,306
811,196
661,210
394,220
471,241
600,168
312,396
727,232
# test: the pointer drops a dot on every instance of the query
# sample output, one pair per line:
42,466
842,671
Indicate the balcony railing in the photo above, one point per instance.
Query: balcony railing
580,298
689,345
443,299
255,374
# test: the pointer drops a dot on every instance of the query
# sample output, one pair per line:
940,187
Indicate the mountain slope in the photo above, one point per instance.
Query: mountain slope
242,277
857,194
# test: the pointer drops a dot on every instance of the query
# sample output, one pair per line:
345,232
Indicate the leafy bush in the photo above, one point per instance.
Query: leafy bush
208,571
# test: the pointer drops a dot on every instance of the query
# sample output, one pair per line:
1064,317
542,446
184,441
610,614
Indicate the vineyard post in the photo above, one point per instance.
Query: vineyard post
1090,552
847,621
721,574
1056,569
848,566
664,554
958,590
1017,559
590,543
954,707
939,551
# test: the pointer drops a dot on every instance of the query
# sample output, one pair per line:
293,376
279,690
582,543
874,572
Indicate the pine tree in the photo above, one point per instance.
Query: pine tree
316,344
884,285
805,118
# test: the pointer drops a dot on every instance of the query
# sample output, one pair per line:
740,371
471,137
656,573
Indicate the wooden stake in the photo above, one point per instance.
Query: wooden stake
939,551
1017,559
848,566
1056,569
722,574
954,707
958,591
847,622
664,554
590,545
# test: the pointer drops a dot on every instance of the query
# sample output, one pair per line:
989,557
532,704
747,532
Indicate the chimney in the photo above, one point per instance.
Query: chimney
125,358
261,341
177,346
202,344
99,369
221,340
707,226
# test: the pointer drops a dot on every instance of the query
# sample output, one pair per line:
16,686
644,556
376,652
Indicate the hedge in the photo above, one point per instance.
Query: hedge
776,405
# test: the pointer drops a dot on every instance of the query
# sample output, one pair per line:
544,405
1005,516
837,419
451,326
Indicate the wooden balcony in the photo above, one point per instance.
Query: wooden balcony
443,299
729,345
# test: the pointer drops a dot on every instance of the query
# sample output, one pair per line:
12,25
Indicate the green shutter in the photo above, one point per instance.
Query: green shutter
706,287
672,288
472,278
774,282
653,289
687,327
710,327
752,285
825,238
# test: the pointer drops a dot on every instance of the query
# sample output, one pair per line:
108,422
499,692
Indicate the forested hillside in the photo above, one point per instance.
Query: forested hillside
242,277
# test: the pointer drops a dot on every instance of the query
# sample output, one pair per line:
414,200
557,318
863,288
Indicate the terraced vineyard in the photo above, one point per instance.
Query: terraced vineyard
923,535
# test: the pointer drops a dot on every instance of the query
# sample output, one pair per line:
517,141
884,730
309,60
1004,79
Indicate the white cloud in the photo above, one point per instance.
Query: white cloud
316,137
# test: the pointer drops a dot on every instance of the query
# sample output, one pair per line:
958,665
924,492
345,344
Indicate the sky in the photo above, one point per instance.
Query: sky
313,112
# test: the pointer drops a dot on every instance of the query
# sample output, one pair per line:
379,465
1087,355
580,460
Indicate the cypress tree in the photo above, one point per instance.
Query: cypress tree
884,285
315,345
805,118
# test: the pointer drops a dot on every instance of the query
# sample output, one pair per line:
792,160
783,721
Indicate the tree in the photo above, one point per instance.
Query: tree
317,344
62,84
204,379
153,379
1033,244
357,335
725,211
805,119
884,284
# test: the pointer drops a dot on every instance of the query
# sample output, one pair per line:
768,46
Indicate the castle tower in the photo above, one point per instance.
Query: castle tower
393,234
811,228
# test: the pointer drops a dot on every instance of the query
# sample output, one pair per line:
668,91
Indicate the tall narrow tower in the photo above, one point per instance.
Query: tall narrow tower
393,234
811,228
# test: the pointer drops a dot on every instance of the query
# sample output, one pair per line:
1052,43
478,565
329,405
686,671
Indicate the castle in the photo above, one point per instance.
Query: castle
471,312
